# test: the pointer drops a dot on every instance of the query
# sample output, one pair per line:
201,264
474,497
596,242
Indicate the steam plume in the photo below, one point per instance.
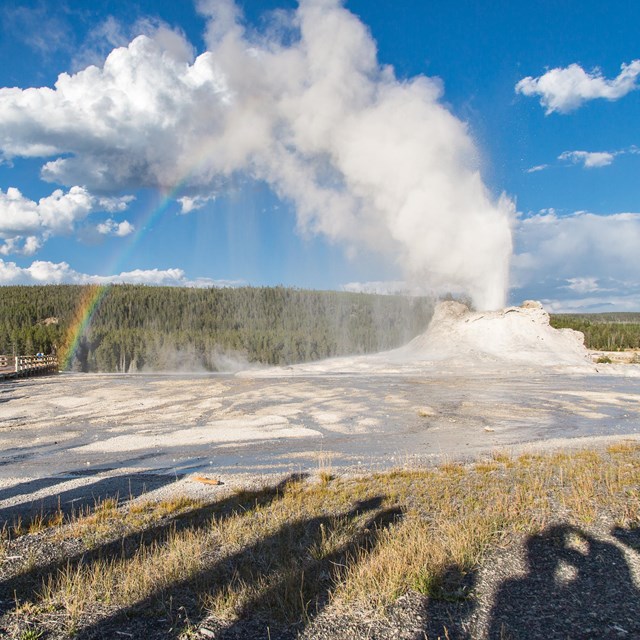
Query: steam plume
369,160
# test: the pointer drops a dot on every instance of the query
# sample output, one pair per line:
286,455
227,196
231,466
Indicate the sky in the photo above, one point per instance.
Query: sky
489,149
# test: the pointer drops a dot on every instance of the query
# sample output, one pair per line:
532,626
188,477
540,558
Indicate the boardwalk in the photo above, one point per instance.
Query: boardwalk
21,366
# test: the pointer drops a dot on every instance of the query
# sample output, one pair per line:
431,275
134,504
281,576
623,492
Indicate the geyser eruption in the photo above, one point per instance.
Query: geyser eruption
368,159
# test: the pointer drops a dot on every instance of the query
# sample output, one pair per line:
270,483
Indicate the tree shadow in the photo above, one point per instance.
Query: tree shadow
31,486
628,537
289,577
81,499
5,400
24,585
301,594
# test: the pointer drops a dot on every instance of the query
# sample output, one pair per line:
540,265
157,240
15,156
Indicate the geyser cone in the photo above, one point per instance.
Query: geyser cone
515,334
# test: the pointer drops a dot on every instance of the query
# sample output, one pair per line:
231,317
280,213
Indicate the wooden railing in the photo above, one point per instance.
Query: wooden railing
14,366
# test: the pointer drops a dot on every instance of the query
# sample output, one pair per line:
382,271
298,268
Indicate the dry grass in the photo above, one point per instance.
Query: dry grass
37,523
365,540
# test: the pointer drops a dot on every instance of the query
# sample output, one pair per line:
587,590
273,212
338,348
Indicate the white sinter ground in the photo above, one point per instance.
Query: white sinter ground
472,383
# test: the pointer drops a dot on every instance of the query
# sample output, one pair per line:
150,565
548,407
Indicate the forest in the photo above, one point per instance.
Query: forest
603,331
148,328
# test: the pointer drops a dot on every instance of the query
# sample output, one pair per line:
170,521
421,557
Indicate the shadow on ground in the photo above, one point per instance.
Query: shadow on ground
296,580
25,585
576,586
82,499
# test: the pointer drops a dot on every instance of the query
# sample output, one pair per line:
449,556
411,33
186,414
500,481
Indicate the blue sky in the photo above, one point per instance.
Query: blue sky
286,154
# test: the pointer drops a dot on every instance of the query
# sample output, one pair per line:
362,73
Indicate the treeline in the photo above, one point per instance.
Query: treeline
604,331
138,328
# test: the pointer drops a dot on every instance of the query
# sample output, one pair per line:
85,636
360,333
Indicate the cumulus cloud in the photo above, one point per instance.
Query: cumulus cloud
562,259
18,244
44,272
112,228
584,285
624,301
367,159
111,33
25,224
591,159
565,89
588,159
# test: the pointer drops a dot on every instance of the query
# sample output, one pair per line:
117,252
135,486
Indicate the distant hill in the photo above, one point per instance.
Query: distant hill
137,328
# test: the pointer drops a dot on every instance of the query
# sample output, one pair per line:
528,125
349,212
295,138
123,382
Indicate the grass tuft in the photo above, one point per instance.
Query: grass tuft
325,476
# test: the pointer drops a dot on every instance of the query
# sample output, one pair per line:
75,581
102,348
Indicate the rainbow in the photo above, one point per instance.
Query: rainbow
94,294
90,301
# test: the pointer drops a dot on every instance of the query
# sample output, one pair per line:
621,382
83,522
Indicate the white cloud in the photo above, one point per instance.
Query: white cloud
25,224
589,159
566,89
111,33
629,301
584,285
562,258
112,228
44,272
368,160
538,167
191,203
31,245
18,244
